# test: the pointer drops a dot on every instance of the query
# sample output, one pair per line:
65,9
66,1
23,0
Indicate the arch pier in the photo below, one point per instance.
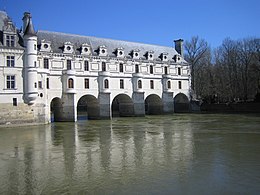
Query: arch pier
71,107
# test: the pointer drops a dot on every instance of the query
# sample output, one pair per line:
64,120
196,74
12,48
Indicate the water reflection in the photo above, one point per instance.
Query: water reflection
170,154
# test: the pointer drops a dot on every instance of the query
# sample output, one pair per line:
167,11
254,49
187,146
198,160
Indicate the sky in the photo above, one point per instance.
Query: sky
157,22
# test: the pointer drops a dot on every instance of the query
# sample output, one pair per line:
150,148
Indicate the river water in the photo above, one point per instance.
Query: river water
172,154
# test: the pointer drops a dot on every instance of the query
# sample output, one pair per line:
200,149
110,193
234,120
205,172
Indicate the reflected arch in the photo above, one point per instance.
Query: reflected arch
56,109
181,103
88,108
153,105
122,105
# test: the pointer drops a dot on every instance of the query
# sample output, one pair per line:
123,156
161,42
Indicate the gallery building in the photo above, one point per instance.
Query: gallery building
47,76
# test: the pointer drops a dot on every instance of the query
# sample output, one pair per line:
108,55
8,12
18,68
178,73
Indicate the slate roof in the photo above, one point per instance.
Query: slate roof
58,39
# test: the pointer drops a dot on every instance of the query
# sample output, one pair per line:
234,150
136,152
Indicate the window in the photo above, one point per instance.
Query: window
169,84
35,47
10,40
47,83
121,67
139,84
165,70
14,101
10,82
136,68
68,64
86,83
103,66
106,84
179,71
35,63
39,84
10,61
179,84
151,69
121,84
70,83
46,63
86,66
35,85
151,84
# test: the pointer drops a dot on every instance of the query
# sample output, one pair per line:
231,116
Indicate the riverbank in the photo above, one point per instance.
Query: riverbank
241,107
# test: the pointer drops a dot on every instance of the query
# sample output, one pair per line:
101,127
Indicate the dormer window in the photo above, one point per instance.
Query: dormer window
85,49
177,58
164,56
68,47
149,55
120,52
102,51
135,54
9,34
45,46
10,40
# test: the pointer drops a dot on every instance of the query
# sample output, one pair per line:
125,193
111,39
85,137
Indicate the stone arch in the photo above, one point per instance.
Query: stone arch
88,107
153,105
181,103
56,109
122,105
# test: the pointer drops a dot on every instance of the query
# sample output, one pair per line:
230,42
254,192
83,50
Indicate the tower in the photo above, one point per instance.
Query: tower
30,60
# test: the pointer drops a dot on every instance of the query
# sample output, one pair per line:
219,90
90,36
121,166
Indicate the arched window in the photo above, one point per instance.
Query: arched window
139,84
106,84
169,84
70,83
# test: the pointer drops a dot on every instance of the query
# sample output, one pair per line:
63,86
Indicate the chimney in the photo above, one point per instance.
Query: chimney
26,19
179,47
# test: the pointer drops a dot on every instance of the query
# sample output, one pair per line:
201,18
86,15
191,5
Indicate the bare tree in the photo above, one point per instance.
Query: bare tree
196,50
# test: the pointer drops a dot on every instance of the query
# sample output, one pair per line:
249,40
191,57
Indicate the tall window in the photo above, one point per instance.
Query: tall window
179,71
10,40
136,68
106,84
169,84
47,83
165,70
68,64
10,61
10,82
151,69
46,63
121,67
40,84
179,84
151,84
86,65
86,83
70,83
121,84
139,84
103,66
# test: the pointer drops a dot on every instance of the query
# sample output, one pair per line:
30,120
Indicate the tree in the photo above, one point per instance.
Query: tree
197,50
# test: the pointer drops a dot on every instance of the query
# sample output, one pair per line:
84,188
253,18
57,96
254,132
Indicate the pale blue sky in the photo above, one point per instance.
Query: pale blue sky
154,21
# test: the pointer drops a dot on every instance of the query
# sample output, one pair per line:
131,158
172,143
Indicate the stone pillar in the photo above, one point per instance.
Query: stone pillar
69,107
168,105
139,107
105,107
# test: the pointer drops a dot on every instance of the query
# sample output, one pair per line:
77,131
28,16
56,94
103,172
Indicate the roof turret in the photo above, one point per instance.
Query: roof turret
29,29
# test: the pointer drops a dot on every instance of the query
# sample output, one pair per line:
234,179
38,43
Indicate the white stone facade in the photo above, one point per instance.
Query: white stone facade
63,76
